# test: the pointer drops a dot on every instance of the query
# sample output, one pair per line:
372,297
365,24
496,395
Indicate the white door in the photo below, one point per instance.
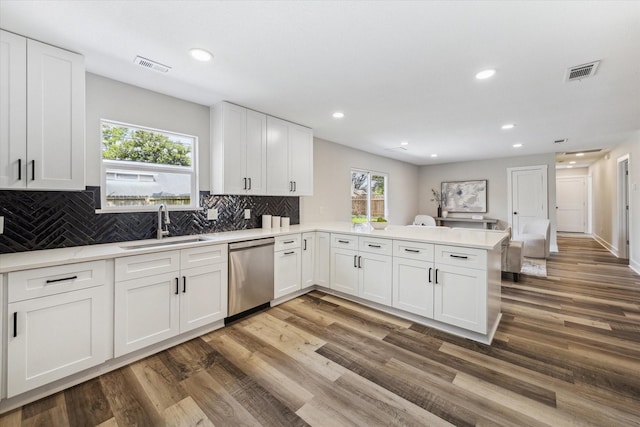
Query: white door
344,270
13,110
55,336
287,272
146,311
571,204
55,111
301,160
256,153
375,278
203,296
278,180
413,286
527,196
308,259
234,120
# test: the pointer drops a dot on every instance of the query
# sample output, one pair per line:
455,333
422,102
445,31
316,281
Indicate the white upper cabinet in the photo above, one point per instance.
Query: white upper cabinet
42,105
289,158
239,150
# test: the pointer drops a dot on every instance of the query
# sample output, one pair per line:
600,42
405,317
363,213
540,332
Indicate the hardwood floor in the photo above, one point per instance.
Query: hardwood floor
567,352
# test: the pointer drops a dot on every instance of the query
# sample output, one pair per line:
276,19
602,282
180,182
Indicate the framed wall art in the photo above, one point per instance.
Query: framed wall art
464,196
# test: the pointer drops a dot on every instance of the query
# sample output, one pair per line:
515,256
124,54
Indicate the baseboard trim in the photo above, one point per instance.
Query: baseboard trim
606,245
634,265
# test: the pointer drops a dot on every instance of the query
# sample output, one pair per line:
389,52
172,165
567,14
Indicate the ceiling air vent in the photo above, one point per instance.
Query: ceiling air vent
582,71
151,65
560,141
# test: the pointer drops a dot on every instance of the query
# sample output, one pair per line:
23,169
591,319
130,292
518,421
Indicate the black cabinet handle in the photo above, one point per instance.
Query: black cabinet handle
184,284
436,276
245,183
343,241
288,241
415,251
430,268
290,253
249,183
290,185
359,262
515,213
177,286
15,324
295,186
458,256
305,244
33,170
19,169
375,246
355,261
62,280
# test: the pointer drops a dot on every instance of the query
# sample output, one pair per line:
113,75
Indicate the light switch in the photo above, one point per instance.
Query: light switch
247,214
1,225
212,214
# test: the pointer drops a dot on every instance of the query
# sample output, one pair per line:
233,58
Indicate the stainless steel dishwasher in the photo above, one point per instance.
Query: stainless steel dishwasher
250,274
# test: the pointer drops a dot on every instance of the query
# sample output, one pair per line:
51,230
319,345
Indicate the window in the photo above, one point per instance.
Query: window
368,196
142,168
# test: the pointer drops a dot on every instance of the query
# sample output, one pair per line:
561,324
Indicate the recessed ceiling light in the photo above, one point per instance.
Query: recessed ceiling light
434,155
569,167
572,162
579,154
485,74
404,143
508,126
201,54
338,115
517,145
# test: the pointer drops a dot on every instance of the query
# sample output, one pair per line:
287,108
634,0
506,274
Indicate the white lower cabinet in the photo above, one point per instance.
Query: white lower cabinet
412,286
58,334
287,267
362,266
308,259
188,291
322,270
460,296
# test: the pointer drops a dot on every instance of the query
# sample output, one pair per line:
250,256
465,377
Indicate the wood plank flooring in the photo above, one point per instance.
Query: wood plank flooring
567,352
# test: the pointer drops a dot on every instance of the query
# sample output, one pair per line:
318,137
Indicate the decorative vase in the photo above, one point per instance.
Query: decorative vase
444,214
439,211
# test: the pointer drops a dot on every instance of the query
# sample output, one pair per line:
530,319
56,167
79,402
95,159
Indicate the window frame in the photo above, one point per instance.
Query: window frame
371,173
148,168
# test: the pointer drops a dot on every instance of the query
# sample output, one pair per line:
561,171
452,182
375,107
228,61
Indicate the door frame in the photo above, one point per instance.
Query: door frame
545,185
623,205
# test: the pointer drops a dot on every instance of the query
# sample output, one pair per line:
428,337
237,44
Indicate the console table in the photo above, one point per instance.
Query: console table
488,223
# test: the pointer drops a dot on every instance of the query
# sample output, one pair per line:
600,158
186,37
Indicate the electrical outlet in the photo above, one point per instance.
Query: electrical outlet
1,225
247,214
212,214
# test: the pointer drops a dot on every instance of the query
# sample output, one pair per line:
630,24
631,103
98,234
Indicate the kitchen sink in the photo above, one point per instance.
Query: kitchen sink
165,243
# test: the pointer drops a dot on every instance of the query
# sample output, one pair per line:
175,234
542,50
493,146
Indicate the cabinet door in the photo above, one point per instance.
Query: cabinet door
287,271
203,296
413,286
375,277
13,110
256,153
55,336
278,179
344,270
146,311
323,259
301,159
308,259
55,111
234,119
460,297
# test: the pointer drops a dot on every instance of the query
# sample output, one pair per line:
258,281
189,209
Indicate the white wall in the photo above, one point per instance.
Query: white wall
605,199
572,172
331,200
495,172
113,100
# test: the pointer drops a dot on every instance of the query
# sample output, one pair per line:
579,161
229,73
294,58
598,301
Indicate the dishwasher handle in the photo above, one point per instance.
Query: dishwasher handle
251,244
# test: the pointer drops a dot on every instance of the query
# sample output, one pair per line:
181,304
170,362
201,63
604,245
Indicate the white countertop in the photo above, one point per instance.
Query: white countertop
471,238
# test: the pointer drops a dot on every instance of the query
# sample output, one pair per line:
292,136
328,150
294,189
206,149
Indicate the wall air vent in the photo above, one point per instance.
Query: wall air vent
151,65
560,141
583,71
595,150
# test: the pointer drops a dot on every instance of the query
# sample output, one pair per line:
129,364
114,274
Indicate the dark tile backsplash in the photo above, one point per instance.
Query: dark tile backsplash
36,220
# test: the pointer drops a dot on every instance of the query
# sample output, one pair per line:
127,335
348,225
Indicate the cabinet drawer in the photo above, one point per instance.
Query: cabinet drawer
203,256
413,250
137,266
463,257
40,282
375,245
344,241
287,242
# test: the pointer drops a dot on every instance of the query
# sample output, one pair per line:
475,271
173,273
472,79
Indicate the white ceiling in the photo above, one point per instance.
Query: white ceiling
400,71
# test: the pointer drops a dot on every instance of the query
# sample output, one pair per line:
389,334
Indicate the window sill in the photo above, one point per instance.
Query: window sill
146,209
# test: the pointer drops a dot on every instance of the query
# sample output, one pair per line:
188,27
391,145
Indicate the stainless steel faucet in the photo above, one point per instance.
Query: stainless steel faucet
167,221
